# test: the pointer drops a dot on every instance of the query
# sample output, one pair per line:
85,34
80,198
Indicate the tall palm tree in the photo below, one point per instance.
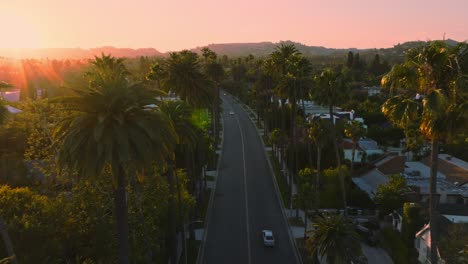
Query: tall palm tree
442,111
333,237
179,113
185,78
287,61
354,130
113,125
215,72
331,91
156,74
319,133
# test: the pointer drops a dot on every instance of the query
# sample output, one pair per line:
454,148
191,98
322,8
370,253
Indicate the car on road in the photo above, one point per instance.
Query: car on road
231,112
268,238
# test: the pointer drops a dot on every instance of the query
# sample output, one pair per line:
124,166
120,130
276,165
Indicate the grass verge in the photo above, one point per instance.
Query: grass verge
282,182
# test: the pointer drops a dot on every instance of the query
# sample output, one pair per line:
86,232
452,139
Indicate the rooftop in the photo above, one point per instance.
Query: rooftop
456,170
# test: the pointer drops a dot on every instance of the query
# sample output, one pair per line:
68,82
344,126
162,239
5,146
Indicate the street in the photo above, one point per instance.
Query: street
245,201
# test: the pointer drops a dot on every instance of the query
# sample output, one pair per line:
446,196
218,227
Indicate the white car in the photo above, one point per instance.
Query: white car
231,112
268,238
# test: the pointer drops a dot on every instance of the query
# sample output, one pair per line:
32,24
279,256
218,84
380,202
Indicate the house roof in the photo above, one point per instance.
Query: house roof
453,209
454,169
12,109
370,181
363,144
391,165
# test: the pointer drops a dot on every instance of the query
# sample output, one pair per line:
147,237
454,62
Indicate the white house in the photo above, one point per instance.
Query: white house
423,237
365,148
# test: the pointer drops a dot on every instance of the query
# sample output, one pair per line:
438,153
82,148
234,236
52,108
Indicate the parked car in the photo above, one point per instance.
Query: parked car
268,238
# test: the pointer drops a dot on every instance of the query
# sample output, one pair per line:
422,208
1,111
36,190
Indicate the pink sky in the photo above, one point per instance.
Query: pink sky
178,24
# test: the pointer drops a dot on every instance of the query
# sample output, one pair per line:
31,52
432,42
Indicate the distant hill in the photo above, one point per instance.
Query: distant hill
230,49
265,48
78,53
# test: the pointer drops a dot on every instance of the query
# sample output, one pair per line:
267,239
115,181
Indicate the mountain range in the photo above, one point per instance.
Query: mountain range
229,49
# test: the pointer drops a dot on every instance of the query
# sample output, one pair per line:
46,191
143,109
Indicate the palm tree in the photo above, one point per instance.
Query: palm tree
179,113
215,72
113,125
333,237
330,91
319,134
156,74
185,78
276,139
354,130
440,114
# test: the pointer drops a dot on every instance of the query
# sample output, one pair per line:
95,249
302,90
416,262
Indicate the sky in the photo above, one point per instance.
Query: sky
183,24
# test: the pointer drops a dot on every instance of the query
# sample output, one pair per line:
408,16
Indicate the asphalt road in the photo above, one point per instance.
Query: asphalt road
245,201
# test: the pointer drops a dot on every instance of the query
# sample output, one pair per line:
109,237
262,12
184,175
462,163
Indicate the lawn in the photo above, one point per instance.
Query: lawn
282,182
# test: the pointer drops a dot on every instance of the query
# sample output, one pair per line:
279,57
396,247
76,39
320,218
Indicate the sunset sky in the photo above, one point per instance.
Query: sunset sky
178,24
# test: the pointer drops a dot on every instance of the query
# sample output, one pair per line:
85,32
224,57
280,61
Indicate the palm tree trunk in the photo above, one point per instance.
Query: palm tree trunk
181,218
338,159
216,115
305,223
171,214
121,213
352,158
433,202
7,241
141,219
317,179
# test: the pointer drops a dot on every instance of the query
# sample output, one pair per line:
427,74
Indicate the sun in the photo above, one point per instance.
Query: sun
17,32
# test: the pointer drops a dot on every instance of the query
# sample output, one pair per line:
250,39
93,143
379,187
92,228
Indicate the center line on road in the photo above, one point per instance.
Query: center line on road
245,193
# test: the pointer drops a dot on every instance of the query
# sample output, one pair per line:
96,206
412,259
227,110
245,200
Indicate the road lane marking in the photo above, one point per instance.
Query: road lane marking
245,194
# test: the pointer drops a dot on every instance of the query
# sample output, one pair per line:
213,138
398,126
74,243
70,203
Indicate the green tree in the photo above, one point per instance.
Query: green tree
185,78
334,238
179,113
113,126
3,228
453,245
215,73
276,140
305,194
434,72
354,130
319,134
391,195
156,74
331,91
349,61
413,221
3,112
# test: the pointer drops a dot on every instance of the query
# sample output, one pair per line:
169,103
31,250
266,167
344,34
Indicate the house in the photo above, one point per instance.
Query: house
422,243
13,110
455,170
423,237
372,90
379,173
417,176
11,96
366,148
